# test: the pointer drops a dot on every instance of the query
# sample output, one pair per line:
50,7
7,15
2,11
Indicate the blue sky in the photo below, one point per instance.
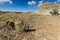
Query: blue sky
22,5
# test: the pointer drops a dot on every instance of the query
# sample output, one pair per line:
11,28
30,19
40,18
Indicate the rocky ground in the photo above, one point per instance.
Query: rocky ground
47,28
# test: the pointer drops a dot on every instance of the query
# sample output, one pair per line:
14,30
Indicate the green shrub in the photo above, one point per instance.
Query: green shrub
11,25
55,12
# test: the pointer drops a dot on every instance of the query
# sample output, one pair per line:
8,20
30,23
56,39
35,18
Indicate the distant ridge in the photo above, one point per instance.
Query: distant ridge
9,12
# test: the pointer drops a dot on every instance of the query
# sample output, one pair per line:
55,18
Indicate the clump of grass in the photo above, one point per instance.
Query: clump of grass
11,25
19,26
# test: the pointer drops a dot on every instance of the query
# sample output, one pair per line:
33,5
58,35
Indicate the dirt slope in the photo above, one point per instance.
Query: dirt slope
47,28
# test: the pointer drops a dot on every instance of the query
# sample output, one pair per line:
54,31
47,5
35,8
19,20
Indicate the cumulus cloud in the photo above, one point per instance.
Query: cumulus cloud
57,1
4,1
40,3
31,2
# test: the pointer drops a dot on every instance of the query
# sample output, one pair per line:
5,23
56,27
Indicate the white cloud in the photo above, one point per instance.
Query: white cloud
57,1
40,3
32,3
4,1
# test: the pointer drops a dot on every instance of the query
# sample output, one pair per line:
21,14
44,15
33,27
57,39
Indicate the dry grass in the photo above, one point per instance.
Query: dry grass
47,27
15,17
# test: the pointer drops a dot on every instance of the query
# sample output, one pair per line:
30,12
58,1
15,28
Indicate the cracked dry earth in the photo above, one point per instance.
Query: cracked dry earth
47,28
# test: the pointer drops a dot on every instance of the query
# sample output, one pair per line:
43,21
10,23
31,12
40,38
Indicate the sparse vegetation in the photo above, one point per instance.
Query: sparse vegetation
14,26
39,26
55,12
15,17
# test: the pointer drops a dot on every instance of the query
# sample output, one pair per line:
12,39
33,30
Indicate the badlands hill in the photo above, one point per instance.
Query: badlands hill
47,7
